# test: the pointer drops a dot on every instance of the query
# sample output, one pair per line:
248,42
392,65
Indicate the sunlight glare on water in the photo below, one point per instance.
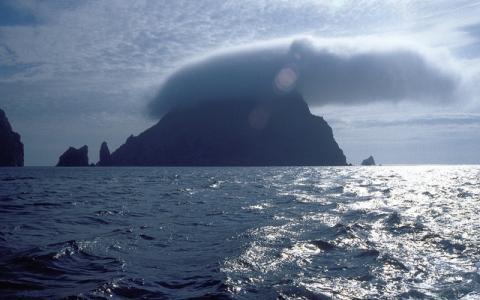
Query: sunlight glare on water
398,231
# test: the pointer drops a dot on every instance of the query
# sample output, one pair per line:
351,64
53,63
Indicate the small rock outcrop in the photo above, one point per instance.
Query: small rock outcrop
105,158
11,147
369,161
74,158
270,131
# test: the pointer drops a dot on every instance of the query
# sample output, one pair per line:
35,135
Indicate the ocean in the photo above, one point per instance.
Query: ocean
386,232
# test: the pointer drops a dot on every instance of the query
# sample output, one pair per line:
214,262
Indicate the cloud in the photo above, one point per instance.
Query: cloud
415,121
12,14
325,71
76,58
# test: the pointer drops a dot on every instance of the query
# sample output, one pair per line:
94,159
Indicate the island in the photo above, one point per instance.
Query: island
105,158
11,146
370,161
74,157
272,131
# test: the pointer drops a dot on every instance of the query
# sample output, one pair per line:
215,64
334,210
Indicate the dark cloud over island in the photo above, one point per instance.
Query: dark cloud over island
325,72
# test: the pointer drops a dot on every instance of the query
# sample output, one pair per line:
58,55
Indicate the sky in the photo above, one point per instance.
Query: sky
83,72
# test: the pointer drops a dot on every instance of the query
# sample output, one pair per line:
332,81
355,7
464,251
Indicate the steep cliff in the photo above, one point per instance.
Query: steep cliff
105,158
279,131
11,147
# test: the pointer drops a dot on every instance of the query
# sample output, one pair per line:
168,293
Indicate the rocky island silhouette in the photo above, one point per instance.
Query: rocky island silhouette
74,157
11,146
273,131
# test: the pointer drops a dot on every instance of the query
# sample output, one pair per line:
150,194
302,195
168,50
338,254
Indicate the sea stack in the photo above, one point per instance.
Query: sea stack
11,147
276,131
368,161
74,158
105,158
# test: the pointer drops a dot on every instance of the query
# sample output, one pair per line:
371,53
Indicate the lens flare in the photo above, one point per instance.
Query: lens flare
286,79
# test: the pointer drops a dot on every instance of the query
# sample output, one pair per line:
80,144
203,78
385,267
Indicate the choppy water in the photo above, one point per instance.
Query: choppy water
243,233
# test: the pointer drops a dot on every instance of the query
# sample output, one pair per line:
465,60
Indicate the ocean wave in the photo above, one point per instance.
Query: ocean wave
241,233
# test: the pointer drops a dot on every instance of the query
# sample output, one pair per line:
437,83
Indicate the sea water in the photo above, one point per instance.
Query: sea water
408,232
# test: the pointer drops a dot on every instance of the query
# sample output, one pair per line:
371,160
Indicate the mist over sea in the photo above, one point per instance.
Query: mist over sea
407,232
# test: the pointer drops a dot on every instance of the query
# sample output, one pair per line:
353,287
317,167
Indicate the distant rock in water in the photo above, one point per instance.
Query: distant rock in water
105,158
279,131
74,158
11,147
369,161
